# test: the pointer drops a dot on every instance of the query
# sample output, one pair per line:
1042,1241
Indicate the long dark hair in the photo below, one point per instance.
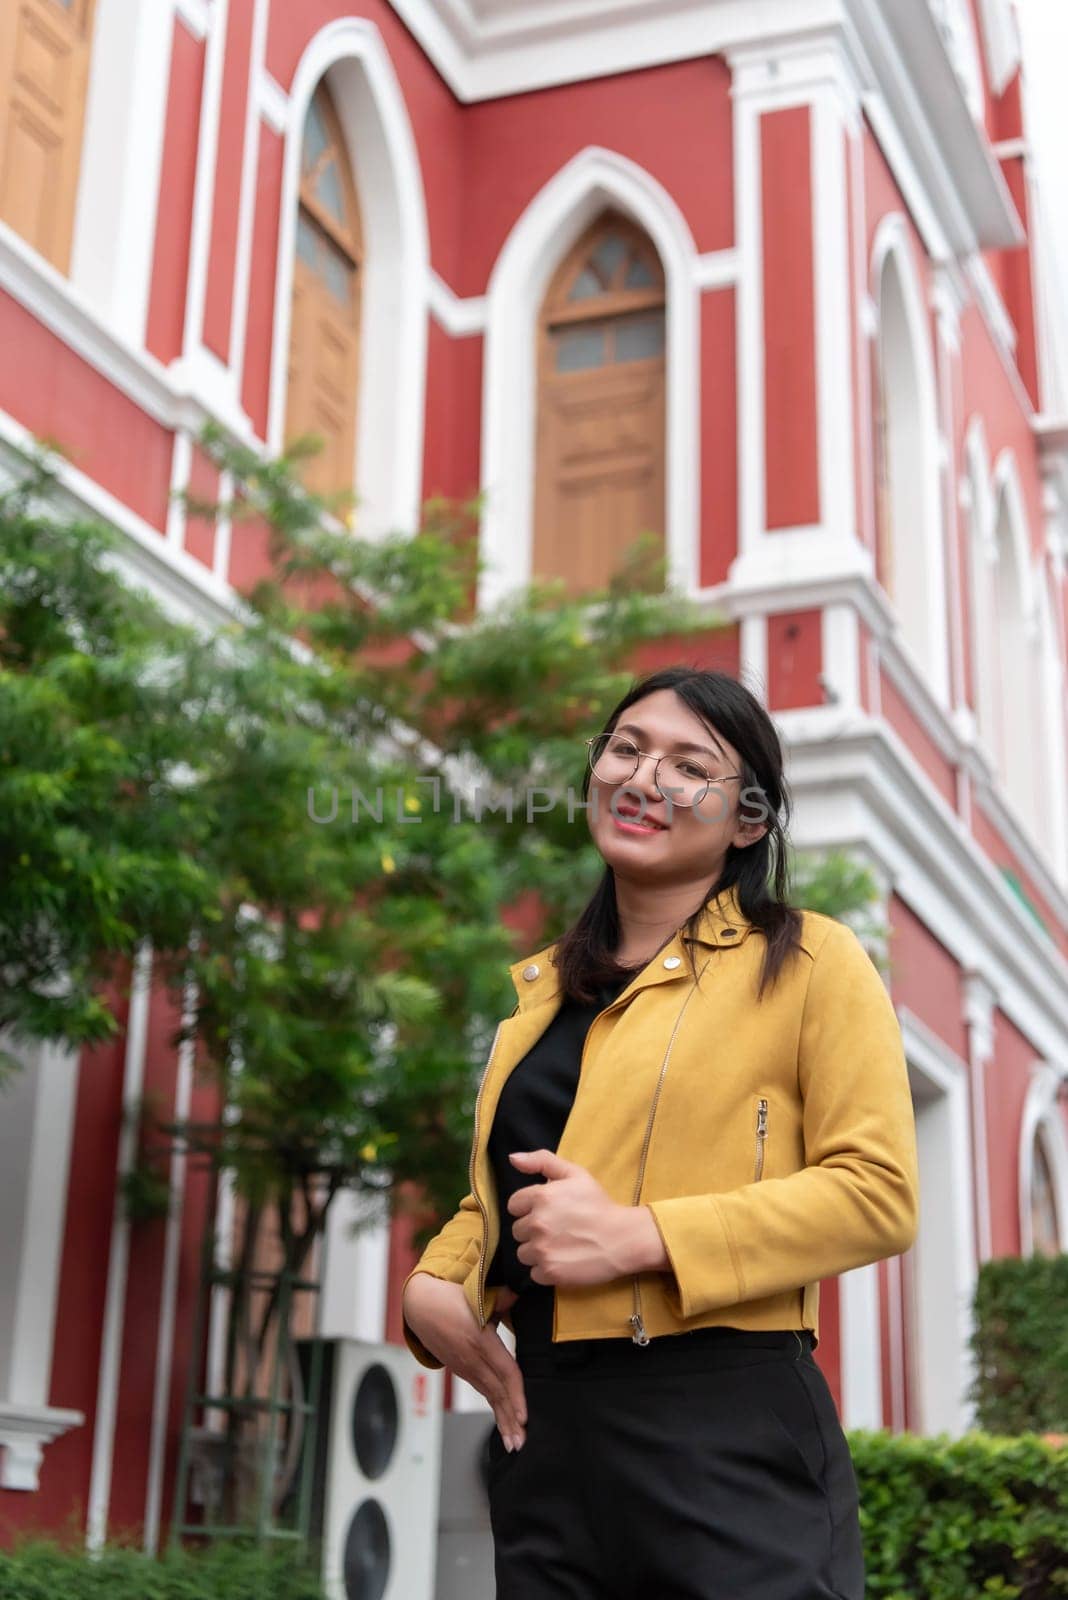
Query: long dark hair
759,873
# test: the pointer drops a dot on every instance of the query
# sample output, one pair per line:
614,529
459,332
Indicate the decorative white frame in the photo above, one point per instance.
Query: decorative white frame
892,252
1017,637
538,242
979,508
393,336
945,1258
39,1121
1042,1118
117,202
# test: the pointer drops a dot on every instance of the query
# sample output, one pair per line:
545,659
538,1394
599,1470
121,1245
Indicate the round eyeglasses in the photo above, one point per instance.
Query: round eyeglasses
681,779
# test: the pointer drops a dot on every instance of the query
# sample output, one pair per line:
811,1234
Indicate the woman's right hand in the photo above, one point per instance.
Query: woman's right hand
439,1315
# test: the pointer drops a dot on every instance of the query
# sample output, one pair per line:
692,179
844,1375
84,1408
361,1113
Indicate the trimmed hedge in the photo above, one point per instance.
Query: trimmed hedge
1020,1345
37,1570
962,1519
943,1519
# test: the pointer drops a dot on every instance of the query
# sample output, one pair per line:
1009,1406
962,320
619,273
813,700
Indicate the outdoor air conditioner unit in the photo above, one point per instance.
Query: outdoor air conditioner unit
377,1472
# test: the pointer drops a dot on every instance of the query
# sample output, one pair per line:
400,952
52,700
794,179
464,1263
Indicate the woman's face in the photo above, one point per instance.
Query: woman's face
637,831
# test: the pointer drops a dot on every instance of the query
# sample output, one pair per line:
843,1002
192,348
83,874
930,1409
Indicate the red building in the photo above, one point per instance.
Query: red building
764,275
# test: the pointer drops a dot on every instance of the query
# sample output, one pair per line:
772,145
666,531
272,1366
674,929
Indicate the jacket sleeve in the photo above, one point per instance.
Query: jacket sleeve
856,1199
451,1255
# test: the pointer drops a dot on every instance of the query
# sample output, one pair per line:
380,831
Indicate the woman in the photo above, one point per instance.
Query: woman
698,1109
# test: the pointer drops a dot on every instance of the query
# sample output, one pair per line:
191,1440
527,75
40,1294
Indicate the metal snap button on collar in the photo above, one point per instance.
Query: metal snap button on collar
531,972
671,962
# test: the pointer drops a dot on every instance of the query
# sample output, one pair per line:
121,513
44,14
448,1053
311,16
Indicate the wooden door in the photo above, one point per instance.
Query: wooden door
44,72
324,331
601,407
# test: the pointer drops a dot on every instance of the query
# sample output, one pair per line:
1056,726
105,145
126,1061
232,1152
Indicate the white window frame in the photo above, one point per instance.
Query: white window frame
595,180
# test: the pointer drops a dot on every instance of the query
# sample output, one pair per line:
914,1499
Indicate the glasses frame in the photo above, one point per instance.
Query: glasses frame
687,805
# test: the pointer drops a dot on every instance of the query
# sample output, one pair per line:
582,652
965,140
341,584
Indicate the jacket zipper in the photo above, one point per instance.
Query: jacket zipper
761,1136
638,1333
471,1179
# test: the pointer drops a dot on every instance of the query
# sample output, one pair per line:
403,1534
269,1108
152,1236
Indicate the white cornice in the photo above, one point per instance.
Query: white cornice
486,49
855,783
24,1432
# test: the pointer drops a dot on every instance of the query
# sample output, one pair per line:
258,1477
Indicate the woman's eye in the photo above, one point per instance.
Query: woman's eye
690,770
623,747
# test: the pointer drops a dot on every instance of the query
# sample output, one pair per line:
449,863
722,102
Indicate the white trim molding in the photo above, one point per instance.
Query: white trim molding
35,1143
122,154
374,118
109,1373
538,242
856,785
460,318
907,361
944,1253
980,1001
24,1433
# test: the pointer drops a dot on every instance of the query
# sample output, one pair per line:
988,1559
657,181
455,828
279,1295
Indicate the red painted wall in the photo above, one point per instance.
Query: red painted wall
719,436
791,438
795,659
174,222
51,391
218,302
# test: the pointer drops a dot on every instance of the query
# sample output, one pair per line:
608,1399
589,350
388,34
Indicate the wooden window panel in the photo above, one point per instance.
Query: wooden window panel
599,479
324,344
44,74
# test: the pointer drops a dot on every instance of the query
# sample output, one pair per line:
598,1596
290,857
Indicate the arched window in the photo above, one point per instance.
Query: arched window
1016,676
325,327
44,71
908,487
601,373
1045,1222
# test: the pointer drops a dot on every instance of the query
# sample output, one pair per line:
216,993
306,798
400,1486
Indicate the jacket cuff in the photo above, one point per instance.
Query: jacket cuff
706,1271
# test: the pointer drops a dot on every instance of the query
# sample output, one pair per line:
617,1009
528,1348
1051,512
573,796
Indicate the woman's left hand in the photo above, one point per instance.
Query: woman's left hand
568,1229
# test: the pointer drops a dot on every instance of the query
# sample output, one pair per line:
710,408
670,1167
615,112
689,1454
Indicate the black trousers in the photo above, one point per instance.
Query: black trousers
708,1465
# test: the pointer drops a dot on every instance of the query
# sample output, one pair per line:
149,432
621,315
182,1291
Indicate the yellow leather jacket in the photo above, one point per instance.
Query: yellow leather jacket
773,1141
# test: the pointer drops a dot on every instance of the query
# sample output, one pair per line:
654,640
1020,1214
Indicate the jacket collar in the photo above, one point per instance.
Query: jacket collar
722,925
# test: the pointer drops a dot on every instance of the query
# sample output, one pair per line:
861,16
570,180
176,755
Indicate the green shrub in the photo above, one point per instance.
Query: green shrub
962,1519
38,1570
1020,1345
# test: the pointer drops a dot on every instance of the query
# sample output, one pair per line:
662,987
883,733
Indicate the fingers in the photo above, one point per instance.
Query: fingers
502,1386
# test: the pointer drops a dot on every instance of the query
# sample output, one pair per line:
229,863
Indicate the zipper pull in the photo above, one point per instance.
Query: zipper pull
639,1336
762,1120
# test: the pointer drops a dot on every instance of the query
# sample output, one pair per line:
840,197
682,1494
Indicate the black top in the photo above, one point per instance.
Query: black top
531,1112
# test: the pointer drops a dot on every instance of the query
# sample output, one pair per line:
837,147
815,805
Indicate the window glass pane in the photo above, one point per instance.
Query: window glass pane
1044,1220
585,285
328,190
608,256
307,241
639,274
638,338
338,273
578,349
315,137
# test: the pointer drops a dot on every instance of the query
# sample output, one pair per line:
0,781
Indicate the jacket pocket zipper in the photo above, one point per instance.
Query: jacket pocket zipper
638,1333
761,1139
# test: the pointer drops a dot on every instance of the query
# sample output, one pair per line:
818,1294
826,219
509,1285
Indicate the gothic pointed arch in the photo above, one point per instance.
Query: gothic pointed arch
324,340
910,552
599,474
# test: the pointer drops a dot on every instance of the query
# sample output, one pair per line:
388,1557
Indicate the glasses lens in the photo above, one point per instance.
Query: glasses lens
613,758
681,781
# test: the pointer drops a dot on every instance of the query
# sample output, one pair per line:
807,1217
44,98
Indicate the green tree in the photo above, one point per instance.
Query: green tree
316,820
